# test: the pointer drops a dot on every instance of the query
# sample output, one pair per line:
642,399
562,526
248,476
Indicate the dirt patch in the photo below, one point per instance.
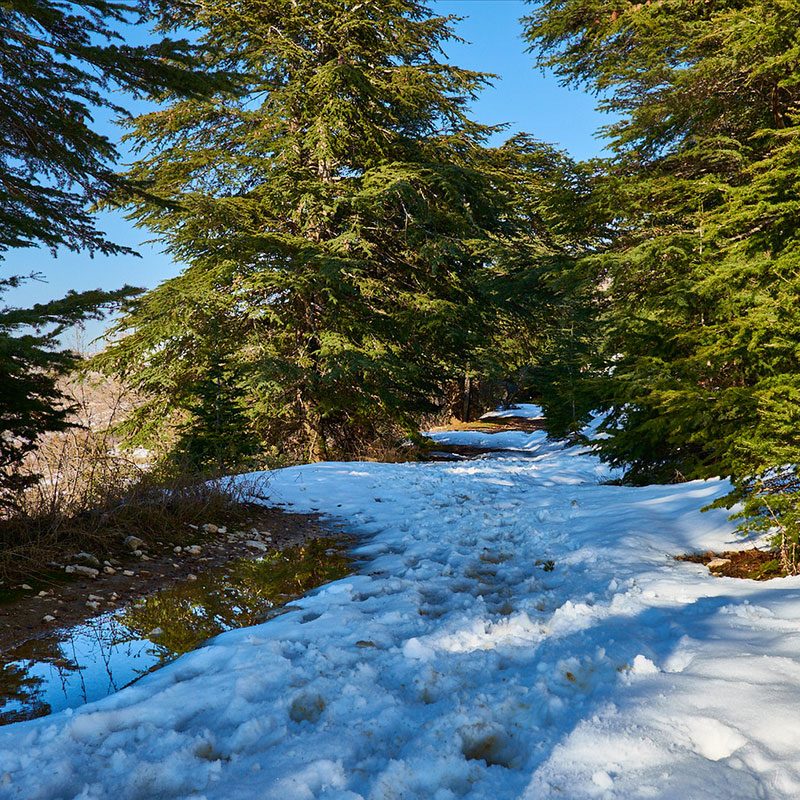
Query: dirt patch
24,606
757,565
496,425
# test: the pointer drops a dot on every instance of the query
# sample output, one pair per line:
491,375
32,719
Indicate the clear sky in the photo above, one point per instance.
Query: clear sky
522,96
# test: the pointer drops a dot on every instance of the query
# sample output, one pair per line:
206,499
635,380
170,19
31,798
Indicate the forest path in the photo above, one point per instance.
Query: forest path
518,629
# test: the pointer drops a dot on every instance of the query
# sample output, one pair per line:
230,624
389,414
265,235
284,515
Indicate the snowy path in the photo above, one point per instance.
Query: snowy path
459,665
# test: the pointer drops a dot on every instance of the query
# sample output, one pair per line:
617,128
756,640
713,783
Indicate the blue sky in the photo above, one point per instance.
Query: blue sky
522,96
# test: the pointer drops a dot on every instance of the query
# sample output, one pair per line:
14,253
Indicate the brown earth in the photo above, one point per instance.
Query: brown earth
754,564
64,596
496,425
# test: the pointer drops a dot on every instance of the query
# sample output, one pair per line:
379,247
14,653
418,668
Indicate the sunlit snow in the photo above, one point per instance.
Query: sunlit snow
519,630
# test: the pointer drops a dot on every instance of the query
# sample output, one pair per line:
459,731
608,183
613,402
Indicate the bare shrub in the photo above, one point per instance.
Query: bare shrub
91,492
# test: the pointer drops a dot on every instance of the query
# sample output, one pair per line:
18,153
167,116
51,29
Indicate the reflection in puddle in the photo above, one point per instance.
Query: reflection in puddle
100,656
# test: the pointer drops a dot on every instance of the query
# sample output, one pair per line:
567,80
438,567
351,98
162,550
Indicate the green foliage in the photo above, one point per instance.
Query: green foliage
59,64
346,232
701,280
31,360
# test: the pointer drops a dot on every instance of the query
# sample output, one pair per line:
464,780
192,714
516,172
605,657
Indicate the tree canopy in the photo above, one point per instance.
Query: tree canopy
701,343
347,231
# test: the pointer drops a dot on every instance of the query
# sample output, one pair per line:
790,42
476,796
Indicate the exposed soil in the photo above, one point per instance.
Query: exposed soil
455,452
444,452
757,565
496,425
65,597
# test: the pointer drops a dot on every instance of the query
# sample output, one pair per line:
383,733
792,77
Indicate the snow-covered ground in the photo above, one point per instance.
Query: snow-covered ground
517,631
518,410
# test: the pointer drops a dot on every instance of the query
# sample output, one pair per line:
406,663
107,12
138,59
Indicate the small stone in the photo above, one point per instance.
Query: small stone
109,570
209,528
95,598
177,549
716,563
128,573
27,587
191,577
43,594
48,618
79,569
143,557
106,563
86,558
222,529
133,543
194,550
156,632
256,545
137,553
92,604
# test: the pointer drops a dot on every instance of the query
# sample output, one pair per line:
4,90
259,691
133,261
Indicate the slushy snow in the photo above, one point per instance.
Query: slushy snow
516,630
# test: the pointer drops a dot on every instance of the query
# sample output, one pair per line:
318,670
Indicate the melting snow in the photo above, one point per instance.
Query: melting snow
519,631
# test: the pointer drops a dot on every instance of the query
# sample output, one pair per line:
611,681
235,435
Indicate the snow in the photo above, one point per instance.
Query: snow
523,410
505,440
517,629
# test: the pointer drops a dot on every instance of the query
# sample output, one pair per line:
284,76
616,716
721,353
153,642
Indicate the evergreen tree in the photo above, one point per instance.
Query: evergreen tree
59,64
341,223
703,375
31,359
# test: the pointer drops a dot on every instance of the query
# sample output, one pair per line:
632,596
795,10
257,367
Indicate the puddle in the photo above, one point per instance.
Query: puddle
104,654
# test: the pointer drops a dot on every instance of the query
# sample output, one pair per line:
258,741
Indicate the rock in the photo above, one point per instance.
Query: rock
128,573
26,587
92,604
222,529
256,545
137,553
109,570
79,569
209,528
95,598
194,550
177,549
133,543
156,632
143,557
716,563
48,618
44,594
87,559
191,577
